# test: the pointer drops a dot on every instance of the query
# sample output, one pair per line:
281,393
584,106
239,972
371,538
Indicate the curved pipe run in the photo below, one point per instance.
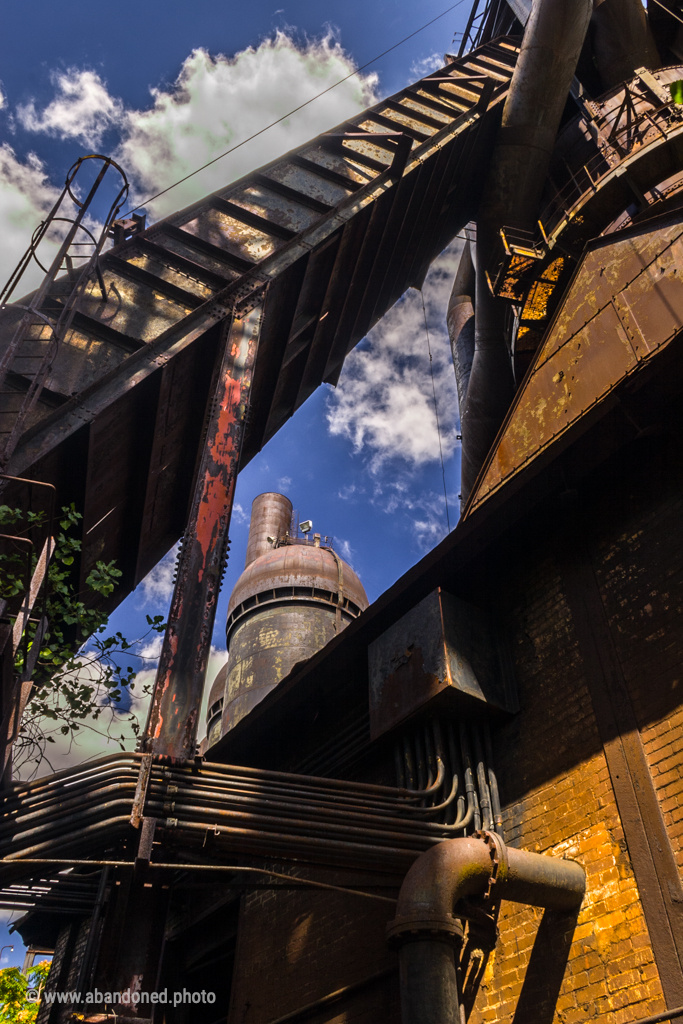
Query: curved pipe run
426,926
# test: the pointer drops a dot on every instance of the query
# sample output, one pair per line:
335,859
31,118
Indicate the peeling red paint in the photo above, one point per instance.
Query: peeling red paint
171,729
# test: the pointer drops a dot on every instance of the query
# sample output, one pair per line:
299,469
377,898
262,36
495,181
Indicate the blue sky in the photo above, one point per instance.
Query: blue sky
165,86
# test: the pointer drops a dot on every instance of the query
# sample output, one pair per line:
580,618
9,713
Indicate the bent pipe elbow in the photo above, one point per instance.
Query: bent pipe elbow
457,868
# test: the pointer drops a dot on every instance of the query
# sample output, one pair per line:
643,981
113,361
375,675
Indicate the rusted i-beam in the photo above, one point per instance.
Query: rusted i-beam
171,729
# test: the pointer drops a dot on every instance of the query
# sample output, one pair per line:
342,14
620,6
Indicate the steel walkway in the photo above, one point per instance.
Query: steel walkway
337,230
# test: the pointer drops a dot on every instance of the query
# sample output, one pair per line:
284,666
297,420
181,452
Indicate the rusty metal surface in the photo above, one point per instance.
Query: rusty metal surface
265,647
293,597
443,645
324,225
624,305
271,516
88,809
32,339
297,565
619,160
171,728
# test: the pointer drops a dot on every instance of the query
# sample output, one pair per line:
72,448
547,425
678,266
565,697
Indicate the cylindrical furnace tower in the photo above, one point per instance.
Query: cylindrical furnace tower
293,597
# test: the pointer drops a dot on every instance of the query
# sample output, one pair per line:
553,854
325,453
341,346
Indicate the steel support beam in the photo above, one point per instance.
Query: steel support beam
171,729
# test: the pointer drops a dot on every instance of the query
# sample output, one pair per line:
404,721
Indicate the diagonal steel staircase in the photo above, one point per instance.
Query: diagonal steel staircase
337,230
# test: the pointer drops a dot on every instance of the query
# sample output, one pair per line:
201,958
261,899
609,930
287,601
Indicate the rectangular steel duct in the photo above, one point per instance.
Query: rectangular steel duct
444,653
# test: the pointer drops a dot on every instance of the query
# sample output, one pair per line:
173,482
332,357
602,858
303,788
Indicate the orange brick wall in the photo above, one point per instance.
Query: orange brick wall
638,555
558,800
663,741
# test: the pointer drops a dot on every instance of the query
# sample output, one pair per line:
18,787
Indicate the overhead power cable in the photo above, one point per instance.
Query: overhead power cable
296,109
668,11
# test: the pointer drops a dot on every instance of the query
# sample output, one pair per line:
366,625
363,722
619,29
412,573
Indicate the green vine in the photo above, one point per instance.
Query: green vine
78,679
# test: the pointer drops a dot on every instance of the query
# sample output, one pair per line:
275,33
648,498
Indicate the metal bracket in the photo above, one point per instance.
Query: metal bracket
141,791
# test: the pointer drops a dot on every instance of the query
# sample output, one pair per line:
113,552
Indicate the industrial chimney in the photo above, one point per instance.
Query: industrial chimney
294,596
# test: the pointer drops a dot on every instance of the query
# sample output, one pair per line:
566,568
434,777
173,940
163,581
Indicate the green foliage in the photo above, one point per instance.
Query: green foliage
18,995
676,91
78,678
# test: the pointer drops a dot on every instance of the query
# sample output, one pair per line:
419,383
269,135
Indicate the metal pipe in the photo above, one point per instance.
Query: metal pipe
484,795
460,321
538,92
493,782
622,40
472,799
315,785
271,517
426,927
658,1017
429,983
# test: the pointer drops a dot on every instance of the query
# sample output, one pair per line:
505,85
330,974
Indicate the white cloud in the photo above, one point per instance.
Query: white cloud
424,67
81,110
384,402
92,740
152,649
26,195
343,548
426,510
3,99
284,482
217,101
214,103
349,492
238,514
157,586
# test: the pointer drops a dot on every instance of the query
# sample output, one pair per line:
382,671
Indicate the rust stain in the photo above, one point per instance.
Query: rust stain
625,292
173,715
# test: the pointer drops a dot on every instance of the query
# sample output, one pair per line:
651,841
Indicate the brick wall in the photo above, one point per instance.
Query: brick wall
555,784
558,800
638,557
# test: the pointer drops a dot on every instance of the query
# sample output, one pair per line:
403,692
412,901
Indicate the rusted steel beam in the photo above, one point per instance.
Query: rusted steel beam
171,729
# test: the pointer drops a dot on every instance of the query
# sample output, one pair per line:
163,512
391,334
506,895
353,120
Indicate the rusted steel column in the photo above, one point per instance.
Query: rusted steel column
171,729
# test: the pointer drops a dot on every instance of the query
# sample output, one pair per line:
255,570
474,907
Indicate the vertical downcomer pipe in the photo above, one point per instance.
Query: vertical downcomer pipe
622,40
429,984
271,515
546,66
426,928
540,84
460,320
